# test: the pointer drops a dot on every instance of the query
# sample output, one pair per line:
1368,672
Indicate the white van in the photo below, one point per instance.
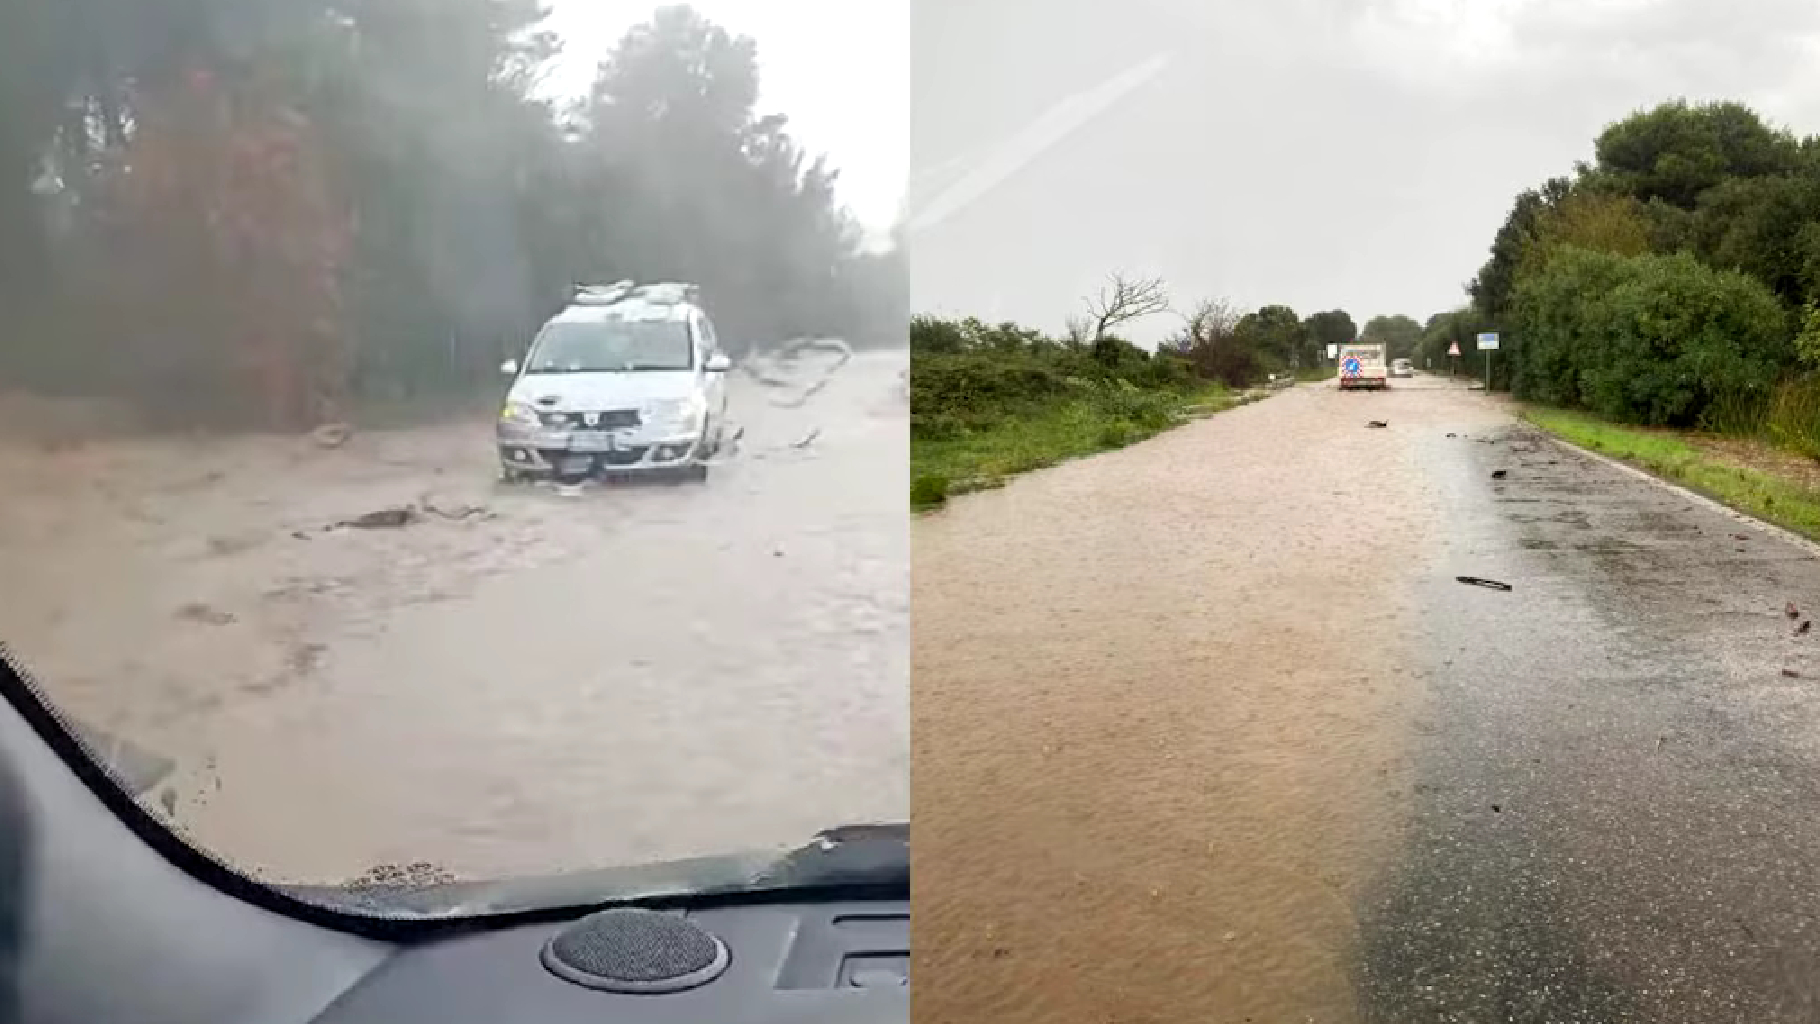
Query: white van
1364,365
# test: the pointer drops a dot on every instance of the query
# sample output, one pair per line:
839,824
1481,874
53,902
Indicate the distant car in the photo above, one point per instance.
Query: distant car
626,379
1402,368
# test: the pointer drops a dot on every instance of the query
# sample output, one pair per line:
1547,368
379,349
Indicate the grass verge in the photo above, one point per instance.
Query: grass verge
1670,454
1038,437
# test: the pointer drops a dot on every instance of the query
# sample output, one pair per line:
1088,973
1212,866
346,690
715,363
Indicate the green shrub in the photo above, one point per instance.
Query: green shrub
1644,339
928,490
1116,434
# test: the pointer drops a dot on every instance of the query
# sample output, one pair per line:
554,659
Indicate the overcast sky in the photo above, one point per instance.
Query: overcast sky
839,68
1357,154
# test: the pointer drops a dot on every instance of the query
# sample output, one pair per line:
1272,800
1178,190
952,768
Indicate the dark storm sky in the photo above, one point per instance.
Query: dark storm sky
1321,153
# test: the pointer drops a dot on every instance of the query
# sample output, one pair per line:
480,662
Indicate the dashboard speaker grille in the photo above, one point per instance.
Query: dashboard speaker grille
637,951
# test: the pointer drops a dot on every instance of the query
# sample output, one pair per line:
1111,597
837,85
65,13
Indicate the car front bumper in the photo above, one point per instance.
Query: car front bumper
534,452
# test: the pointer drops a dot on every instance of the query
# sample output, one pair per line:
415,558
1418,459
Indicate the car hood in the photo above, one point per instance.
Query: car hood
596,391
872,858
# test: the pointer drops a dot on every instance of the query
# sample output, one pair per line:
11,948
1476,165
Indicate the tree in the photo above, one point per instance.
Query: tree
1495,284
1123,300
1677,151
1211,343
1276,334
1399,334
1764,227
438,209
1333,327
1586,217
1460,326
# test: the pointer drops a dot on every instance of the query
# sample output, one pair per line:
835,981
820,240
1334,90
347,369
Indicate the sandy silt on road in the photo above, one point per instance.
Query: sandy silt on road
1161,700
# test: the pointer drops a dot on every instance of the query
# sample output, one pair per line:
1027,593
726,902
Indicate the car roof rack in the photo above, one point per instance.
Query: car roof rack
658,293
601,294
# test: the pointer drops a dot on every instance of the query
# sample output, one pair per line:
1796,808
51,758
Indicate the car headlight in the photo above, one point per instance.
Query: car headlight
677,411
519,414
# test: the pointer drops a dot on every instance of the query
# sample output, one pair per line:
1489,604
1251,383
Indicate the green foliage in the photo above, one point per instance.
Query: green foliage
928,490
1677,151
1276,334
1645,339
1807,343
1399,334
476,205
990,401
1333,327
1455,327
1765,227
1495,285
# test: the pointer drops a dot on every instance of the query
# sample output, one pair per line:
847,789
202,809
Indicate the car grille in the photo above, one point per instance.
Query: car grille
611,419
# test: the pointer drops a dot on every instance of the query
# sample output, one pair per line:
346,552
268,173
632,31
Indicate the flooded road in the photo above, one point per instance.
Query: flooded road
1206,729
525,683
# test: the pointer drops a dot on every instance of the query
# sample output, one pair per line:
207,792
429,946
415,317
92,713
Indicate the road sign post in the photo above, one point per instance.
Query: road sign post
1488,343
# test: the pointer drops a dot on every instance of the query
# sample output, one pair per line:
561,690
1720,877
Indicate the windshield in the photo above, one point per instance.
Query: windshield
612,344
274,517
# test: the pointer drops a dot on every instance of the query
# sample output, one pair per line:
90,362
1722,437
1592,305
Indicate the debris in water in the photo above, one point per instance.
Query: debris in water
1499,474
1480,581
807,439
385,518
1791,673
196,611
1495,809
1452,434
332,435
458,512
1806,624
1376,423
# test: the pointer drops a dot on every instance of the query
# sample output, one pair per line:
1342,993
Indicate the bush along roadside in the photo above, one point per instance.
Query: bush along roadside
987,403
1755,478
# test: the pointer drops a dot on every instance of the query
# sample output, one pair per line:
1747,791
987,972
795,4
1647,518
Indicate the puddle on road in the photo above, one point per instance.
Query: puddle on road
642,672
1163,705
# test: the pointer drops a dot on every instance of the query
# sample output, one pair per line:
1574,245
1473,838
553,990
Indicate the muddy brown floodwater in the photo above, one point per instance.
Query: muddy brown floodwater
1163,700
636,673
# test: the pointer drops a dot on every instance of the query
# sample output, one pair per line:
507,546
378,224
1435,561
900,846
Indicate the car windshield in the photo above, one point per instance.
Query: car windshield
277,518
612,344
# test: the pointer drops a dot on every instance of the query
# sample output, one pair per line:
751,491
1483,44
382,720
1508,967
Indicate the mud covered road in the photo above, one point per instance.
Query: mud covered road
528,683
1207,730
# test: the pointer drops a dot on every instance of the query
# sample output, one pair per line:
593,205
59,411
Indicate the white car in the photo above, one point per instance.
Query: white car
1402,368
627,379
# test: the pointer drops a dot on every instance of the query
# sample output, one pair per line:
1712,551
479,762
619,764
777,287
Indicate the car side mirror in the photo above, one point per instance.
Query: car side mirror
509,368
718,363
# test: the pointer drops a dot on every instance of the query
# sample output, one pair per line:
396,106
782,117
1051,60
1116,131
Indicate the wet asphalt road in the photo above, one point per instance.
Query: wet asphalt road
1617,788
631,674
1211,732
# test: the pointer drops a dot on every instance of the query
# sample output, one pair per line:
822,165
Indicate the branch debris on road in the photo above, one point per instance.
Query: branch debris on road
1480,581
